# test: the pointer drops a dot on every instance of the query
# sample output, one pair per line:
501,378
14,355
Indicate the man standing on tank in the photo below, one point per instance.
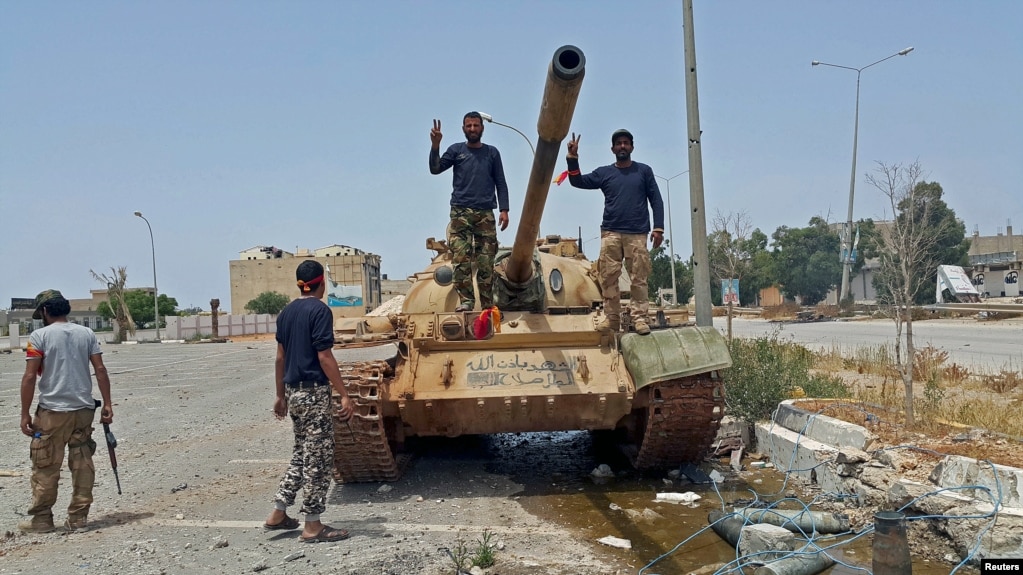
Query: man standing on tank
305,370
478,186
628,187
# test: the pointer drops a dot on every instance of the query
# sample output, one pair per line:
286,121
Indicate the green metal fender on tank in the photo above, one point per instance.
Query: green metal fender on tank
667,354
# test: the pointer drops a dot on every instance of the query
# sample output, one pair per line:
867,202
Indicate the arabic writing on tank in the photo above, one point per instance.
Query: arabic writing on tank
504,369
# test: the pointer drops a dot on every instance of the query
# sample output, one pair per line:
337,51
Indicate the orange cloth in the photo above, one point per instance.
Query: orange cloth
486,318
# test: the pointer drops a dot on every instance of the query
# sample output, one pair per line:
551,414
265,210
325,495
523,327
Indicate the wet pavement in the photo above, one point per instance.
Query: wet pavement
554,470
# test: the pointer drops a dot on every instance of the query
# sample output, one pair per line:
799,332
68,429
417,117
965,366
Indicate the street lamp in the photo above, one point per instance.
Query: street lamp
847,235
490,119
156,298
671,237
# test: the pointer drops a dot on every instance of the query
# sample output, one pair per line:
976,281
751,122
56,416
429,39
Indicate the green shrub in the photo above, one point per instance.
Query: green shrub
485,547
765,371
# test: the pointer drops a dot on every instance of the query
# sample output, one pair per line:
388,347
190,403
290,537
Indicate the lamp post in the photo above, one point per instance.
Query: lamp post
156,298
847,234
490,119
671,237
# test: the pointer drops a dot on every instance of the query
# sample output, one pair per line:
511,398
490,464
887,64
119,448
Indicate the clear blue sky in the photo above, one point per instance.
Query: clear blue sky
304,124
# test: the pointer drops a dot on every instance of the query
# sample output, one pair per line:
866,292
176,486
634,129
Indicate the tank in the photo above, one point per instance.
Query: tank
539,364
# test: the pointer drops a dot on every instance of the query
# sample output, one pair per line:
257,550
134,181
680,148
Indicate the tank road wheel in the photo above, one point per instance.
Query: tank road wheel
679,423
362,450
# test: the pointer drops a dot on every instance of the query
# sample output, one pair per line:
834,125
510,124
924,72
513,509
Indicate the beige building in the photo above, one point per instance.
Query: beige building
84,311
996,262
353,282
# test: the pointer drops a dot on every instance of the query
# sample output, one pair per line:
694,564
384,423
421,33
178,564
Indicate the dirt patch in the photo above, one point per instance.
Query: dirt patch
252,337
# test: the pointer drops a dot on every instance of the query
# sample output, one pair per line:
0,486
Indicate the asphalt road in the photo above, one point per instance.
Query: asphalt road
986,346
200,456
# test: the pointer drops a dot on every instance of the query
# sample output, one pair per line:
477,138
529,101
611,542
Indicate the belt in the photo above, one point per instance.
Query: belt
304,384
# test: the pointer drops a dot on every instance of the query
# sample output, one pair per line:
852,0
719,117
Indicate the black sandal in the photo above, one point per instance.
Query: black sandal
327,535
286,524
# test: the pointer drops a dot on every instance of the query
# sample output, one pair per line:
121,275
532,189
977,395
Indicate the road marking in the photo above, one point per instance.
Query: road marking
188,360
382,527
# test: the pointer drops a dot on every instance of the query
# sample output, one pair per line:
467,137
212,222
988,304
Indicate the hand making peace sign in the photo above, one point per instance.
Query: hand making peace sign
435,135
573,146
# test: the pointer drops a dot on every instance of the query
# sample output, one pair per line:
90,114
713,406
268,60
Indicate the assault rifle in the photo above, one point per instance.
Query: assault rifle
111,445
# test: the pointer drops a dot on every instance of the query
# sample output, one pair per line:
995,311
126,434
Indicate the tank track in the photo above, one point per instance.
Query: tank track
681,421
362,452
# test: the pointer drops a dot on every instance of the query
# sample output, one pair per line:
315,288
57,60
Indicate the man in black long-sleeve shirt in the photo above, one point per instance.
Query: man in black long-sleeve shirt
628,187
478,187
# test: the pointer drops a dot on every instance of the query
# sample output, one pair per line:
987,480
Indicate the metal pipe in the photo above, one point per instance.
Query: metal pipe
728,529
671,236
803,564
891,544
799,521
847,233
564,79
156,298
491,119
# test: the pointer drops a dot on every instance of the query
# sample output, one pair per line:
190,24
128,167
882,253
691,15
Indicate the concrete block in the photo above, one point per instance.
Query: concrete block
823,428
847,469
923,499
878,477
767,542
792,452
956,471
732,427
851,455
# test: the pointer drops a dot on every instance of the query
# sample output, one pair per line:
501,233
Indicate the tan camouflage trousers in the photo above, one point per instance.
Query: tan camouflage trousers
472,237
630,248
60,430
312,457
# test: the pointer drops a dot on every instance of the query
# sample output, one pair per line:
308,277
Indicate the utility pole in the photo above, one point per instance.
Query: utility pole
701,257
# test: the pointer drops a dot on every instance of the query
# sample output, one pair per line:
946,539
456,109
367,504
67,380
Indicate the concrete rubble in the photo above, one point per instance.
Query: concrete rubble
836,456
767,542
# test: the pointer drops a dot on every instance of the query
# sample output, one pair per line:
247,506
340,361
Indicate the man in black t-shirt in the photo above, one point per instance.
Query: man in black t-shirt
628,188
304,372
478,187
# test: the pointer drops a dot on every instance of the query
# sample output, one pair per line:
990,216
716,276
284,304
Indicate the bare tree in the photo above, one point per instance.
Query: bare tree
115,297
906,252
730,257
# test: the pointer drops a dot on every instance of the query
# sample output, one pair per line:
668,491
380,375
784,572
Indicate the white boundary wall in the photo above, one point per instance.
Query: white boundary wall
178,328
188,327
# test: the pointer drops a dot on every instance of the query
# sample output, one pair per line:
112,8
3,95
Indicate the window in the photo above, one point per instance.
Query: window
85,322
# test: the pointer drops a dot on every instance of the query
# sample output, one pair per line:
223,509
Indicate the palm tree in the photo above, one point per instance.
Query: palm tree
115,296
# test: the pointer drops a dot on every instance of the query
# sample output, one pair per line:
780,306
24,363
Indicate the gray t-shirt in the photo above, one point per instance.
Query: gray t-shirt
65,382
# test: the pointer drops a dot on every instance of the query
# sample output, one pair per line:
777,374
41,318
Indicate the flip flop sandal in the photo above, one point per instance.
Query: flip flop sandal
286,524
327,535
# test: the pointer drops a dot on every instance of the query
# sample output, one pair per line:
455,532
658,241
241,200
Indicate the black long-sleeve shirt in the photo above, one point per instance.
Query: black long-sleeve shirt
478,175
627,191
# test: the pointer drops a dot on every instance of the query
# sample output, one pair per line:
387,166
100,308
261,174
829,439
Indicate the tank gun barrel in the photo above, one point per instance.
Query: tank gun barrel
564,78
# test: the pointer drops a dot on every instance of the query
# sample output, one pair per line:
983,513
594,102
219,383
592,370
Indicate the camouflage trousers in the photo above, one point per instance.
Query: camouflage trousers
312,458
630,248
59,430
472,237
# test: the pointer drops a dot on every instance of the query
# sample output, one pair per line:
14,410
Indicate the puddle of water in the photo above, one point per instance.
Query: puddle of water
554,471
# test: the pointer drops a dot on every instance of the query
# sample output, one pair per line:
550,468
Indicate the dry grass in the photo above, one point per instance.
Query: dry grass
943,393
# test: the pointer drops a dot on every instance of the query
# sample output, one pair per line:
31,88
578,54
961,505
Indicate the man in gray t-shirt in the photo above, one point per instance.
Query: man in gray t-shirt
58,357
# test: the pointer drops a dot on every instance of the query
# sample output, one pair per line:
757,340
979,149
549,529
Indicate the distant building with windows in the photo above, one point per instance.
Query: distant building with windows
995,263
84,311
353,281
